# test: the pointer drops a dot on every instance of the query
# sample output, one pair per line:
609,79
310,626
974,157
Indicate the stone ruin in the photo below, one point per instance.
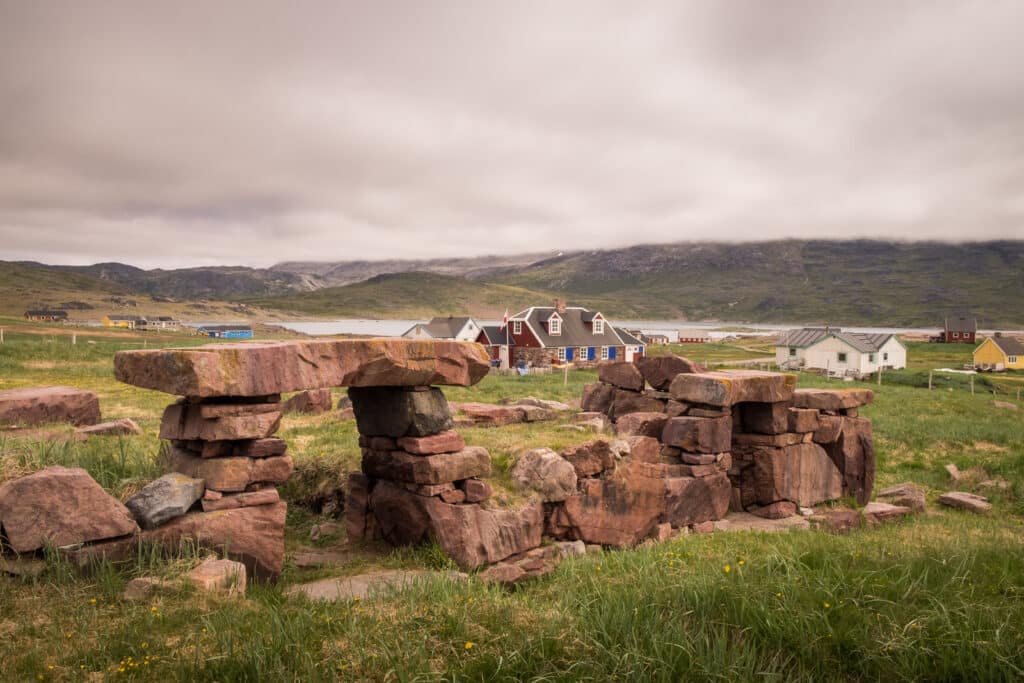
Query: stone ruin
742,440
692,446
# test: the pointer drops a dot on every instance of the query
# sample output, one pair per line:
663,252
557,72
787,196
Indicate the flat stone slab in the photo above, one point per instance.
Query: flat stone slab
965,501
366,585
727,387
40,405
832,399
744,521
266,368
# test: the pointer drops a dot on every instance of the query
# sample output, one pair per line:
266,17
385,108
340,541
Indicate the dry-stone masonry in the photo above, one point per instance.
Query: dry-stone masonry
221,444
741,440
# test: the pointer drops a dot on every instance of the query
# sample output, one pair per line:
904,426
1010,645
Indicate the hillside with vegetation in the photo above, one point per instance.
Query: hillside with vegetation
837,282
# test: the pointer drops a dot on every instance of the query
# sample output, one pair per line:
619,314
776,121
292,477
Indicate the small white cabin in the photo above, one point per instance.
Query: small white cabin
459,329
840,353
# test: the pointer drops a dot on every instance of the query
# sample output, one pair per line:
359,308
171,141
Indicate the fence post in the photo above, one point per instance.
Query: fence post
828,370
566,380
972,385
74,339
929,380
879,375
1,335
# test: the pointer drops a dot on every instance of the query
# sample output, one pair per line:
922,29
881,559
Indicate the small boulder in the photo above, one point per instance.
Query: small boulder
40,405
556,406
641,424
60,506
398,411
906,495
124,426
218,576
777,510
143,588
1005,405
311,402
544,471
597,397
965,501
162,500
622,375
659,371
876,513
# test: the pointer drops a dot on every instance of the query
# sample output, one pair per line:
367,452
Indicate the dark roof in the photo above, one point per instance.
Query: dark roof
628,338
43,312
496,335
134,318
809,336
1011,346
961,323
224,328
165,318
445,328
575,331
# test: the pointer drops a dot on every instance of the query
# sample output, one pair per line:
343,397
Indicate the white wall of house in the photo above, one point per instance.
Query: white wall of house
892,355
826,355
469,332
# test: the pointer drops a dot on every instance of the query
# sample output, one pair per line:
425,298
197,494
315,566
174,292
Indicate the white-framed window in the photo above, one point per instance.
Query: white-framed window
582,353
841,357
1011,359
517,327
792,352
871,358
561,353
555,327
885,356
956,335
604,353
598,326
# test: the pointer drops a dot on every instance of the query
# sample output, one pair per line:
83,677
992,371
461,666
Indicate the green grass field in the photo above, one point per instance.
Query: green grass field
939,597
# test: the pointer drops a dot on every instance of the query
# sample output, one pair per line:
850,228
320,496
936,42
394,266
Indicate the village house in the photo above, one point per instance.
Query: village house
958,329
129,322
457,328
694,337
239,331
999,353
46,315
163,322
839,353
543,336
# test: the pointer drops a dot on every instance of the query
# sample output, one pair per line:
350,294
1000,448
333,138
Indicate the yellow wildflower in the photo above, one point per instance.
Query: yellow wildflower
727,569
469,646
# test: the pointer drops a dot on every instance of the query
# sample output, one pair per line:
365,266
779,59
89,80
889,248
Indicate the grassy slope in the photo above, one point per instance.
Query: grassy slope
414,295
938,597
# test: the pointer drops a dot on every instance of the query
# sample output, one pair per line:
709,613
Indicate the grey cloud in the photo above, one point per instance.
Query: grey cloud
251,132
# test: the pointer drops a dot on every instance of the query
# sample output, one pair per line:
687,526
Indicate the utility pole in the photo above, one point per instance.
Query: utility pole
929,380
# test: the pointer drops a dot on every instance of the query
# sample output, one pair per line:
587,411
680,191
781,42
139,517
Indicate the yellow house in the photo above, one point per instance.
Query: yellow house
120,321
997,353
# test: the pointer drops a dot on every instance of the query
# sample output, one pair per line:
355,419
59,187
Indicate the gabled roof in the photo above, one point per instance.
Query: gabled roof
134,318
803,337
575,330
225,328
809,336
1011,346
961,323
446,328
495,334
48,312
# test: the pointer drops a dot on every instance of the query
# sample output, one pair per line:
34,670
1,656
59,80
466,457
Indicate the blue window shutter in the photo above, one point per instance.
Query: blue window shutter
568,353
611,353
590,353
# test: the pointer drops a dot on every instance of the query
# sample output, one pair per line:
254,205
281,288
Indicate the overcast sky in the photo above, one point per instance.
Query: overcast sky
193,133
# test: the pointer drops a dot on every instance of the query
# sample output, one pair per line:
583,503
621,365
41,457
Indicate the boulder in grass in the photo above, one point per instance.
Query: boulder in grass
310,402
124,426
40,405
966,501
60,506
597,397
162,500
906,495
218,576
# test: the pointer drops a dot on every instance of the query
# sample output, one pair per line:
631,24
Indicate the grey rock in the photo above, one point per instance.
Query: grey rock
398,411
162,500
546,472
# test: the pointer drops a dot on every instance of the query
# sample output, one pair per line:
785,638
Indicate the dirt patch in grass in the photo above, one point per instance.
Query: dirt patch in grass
987,447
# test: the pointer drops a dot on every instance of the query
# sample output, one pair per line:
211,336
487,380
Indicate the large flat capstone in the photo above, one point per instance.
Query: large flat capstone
727,387
266,368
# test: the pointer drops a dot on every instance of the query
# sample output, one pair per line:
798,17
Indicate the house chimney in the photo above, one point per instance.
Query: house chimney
560,306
